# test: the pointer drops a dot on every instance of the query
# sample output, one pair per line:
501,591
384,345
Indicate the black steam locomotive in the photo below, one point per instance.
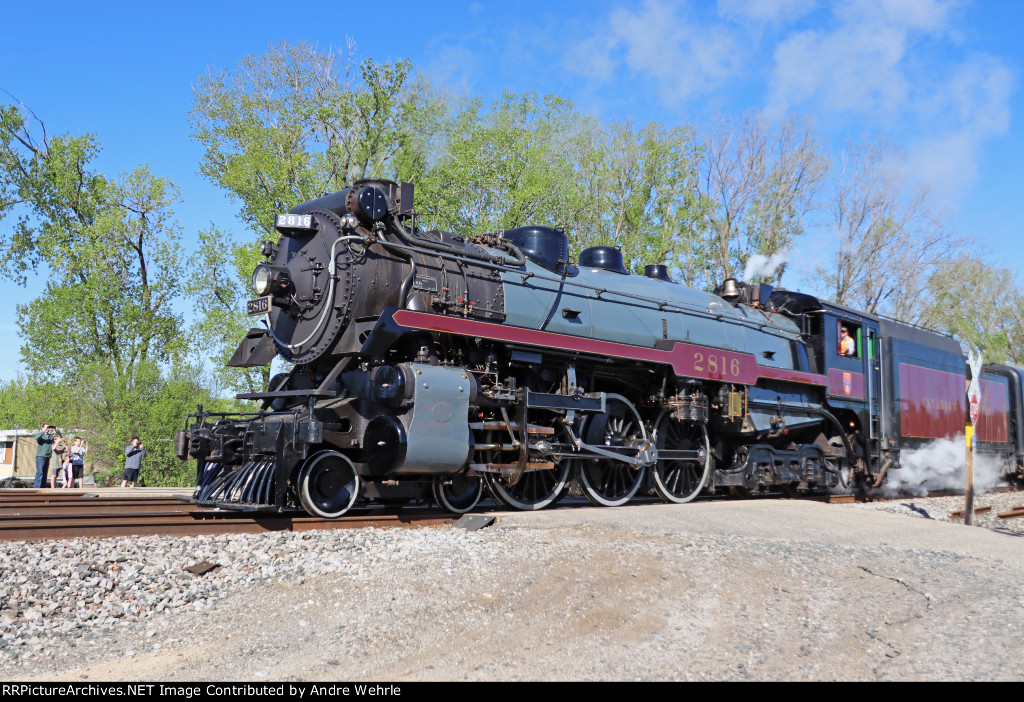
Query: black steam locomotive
426,362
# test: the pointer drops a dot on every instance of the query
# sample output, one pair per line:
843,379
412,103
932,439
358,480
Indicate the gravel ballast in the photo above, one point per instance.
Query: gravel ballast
758,589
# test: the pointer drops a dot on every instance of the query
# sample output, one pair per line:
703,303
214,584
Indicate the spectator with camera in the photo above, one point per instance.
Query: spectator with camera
133,456
44,452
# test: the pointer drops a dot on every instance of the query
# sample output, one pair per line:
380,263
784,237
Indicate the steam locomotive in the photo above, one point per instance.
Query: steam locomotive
427,364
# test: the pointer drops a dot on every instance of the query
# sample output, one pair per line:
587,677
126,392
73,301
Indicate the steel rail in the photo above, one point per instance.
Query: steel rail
88,506
192,522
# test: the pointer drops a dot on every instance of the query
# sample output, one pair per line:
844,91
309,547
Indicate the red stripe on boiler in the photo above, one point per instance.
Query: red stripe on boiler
688,360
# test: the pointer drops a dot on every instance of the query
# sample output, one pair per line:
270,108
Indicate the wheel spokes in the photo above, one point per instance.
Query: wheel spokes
680,479
608,482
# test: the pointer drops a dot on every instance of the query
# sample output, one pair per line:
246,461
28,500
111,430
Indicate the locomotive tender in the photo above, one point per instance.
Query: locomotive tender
428,362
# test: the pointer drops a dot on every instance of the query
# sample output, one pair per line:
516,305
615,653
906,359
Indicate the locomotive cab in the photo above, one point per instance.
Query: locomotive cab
843,345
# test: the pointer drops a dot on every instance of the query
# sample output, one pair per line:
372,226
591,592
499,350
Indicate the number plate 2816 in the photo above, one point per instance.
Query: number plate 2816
261,305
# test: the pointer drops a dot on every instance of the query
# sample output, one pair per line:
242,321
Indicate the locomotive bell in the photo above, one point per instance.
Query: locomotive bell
730,290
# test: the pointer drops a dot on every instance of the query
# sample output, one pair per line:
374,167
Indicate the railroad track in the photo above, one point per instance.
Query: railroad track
73,505
27,517
858,497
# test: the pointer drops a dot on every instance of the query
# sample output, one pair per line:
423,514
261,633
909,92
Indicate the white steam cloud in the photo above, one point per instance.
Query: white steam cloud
764,266
940,465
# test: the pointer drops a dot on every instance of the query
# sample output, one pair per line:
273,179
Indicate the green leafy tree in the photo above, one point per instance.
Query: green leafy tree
980,305
890,234
536,160
762,181
102,344
281,128
288,125
110,249
105,411
646,191
507,166
219,277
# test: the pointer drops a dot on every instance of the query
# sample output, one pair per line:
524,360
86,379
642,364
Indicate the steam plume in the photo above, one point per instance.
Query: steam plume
764,266
940,465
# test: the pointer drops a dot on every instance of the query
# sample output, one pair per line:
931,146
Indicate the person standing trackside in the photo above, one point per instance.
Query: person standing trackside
45,440
77,454
59,447
133,456
68,472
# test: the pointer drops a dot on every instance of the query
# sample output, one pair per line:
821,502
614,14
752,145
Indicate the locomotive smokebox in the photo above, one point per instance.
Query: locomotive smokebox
322,277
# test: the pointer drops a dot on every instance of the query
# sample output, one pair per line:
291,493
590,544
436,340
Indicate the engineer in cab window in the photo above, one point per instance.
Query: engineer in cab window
847,346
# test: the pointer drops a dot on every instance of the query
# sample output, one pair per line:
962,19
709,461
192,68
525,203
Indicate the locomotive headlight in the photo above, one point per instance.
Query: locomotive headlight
261,280
270,280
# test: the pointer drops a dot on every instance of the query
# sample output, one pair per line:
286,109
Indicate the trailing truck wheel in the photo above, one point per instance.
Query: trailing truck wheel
328,485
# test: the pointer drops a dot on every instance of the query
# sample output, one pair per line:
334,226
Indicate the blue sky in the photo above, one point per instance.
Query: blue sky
940,78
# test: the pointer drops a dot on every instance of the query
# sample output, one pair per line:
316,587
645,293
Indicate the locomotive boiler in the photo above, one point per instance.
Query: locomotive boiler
425,362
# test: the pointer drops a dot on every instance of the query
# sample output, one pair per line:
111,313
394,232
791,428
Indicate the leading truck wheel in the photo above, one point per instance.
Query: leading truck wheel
328,485
458,493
